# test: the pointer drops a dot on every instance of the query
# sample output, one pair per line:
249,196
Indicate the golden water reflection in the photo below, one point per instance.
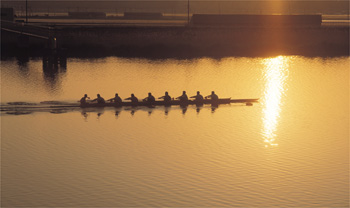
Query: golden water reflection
275,74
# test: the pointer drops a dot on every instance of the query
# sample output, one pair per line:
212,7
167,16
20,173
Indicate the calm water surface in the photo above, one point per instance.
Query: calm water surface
290,149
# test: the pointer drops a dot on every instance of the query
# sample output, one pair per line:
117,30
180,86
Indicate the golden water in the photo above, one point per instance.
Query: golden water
290,149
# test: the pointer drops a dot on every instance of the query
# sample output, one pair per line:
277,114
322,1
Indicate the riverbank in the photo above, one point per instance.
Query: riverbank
189,42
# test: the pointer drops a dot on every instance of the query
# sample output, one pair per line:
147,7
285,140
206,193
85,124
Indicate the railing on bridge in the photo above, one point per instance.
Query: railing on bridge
26,31
52,55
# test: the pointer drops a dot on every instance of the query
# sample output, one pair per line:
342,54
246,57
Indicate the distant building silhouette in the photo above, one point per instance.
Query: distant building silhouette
143,15
87,15
255,20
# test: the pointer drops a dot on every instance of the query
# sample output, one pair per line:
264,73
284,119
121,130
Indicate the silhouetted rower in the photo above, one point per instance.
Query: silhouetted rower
117,100
133,99
83,99
213,96
166,97
150,98
99,99
198,97
183,97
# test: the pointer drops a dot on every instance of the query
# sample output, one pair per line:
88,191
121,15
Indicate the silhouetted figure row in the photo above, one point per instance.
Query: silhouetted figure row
150,98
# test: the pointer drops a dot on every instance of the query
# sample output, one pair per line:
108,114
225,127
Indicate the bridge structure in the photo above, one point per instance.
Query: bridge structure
25,33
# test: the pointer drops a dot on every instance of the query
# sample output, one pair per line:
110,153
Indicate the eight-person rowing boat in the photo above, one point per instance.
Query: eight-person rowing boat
166,100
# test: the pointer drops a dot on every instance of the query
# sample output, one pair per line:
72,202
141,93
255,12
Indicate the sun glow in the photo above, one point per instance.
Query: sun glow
275,74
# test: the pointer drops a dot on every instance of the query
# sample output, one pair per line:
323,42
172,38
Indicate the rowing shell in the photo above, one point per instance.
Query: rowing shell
172,102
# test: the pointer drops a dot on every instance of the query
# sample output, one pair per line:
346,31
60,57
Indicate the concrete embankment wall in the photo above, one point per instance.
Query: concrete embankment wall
187,42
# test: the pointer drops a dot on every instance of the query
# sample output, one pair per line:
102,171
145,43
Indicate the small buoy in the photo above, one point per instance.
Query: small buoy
249,104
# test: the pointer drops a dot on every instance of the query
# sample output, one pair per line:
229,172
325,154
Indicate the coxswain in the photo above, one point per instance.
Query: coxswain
150,98
83,99
116,99
198,97
166,97
99,99
213,96
132,98
183,97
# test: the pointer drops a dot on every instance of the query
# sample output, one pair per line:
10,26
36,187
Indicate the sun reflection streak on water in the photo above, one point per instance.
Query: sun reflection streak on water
275,74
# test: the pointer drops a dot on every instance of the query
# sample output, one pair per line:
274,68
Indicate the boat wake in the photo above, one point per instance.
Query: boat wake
59,107
23,108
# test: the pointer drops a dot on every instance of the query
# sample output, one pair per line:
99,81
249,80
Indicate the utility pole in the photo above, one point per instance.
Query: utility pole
188,12
26,11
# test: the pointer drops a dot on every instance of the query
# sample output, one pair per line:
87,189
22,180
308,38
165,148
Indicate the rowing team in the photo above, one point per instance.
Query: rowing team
166,98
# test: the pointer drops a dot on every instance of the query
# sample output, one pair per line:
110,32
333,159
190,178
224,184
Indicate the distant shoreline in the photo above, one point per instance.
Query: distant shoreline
187,42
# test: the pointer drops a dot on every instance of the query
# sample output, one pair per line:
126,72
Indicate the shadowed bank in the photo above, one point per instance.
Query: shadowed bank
207,36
